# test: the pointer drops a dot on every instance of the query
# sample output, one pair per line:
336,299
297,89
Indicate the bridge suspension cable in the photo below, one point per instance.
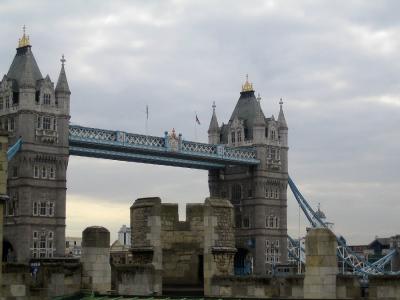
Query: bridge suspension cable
358,264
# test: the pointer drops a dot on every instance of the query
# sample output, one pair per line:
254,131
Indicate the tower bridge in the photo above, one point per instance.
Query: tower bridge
247,161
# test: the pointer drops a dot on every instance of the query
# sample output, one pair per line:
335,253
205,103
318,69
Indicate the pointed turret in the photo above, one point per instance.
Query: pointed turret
62,82
259,124
281,117
213,129
24,69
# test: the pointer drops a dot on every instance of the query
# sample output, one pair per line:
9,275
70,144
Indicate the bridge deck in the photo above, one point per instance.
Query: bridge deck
169,150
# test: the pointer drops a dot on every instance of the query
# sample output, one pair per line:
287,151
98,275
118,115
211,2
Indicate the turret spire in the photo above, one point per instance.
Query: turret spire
247,86
281,117
214,122
24,41
62,83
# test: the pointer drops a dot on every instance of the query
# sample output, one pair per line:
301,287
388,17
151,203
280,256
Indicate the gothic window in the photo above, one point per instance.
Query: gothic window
239,136
46,99
15,98
276,194
238,221
52,173
42,242
236,192
54,124
36,172
42,245
46,123
51,209
246,222
15,171
7,102
35,208
44,172
1,103
39,122
12,205
42,208
273,153
233,137
273,134
11,126
56,102
37,97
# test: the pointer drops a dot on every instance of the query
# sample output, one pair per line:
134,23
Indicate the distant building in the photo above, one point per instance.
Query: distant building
73,246
124,236
119,250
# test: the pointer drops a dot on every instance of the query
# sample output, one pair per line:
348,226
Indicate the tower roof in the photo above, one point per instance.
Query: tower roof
24,69
248,108
62,82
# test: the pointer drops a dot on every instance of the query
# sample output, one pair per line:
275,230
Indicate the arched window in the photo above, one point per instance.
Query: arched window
239,136
271,222
233,137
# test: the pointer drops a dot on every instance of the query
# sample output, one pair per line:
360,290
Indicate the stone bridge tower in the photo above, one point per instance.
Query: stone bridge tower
31,108
258,193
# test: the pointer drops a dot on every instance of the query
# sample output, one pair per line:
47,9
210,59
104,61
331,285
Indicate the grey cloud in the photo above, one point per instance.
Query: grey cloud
332,62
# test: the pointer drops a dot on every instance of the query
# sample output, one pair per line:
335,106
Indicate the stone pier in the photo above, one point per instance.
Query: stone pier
95,259
321,264
3,190
219,244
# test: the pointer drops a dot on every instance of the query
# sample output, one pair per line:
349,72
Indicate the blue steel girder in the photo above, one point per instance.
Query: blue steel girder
167,150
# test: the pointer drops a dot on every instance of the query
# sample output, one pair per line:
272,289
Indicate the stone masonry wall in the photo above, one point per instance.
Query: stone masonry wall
182,245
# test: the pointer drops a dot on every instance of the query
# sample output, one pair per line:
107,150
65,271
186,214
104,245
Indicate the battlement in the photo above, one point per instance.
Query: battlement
178,248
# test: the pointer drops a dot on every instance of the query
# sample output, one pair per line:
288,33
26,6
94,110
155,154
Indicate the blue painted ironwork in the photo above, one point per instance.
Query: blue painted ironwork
168,150
359,264
14,149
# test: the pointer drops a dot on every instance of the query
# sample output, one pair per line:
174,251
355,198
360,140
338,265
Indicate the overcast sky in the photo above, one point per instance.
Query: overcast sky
336,64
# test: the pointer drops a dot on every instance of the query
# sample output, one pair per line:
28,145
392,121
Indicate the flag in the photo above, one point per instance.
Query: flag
147,112
197,120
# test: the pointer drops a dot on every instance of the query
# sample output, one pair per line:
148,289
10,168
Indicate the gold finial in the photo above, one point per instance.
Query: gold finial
24,41
247,86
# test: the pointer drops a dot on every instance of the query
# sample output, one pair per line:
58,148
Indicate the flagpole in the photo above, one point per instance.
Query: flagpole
147,119
195,126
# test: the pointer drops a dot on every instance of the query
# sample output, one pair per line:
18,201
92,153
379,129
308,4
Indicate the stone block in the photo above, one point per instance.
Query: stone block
18,290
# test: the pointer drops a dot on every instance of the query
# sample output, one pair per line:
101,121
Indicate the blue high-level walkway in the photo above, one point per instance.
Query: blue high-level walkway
170,150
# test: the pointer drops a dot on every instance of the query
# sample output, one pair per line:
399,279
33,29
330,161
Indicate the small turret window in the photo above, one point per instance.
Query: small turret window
37,97
233,137
46,99
15,99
